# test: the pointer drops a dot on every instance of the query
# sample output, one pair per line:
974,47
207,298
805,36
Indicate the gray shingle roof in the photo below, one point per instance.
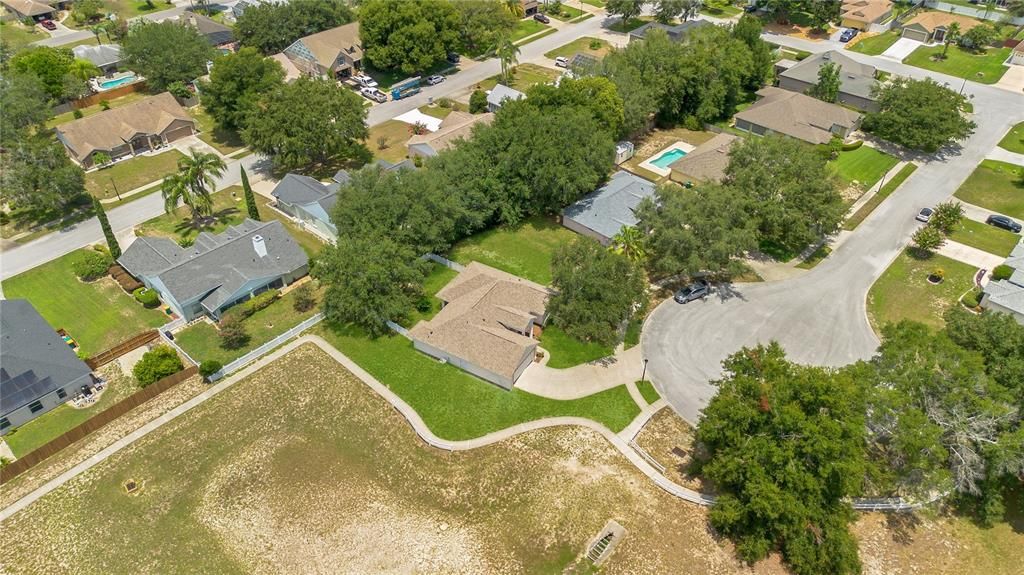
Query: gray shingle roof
677,32
501,92
34,360
611,207
298,189
103,55
855,78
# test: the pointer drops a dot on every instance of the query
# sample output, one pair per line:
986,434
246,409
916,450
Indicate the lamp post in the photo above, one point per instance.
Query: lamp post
643,376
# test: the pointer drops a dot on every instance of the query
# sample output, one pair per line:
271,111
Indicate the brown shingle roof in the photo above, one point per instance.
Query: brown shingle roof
455,126
932,20
707,162
325,46
867,11
112,128
28,7
798,116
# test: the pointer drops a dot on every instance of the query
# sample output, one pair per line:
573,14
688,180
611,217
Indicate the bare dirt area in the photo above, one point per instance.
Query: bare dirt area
669,440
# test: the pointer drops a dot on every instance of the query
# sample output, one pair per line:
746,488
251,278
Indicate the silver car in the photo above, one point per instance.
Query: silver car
435,79
924,215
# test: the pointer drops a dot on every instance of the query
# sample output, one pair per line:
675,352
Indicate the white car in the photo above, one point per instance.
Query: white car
365,81
435,79
562,62
374,94
924,215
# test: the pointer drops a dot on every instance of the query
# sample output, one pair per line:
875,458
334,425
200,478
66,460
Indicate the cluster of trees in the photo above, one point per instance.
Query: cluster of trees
165,53
690,82
932,412
942,222
665,11
62,76
271,27
919,114
819,12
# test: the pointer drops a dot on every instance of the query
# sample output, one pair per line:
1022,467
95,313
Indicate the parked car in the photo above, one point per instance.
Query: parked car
48,24
374,94
562,62
435,80
365,81
751,8
542,18
698,290
848,34
452,57
924,215
1004,222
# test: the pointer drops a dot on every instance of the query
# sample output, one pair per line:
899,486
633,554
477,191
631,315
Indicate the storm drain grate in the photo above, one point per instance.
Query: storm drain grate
601,546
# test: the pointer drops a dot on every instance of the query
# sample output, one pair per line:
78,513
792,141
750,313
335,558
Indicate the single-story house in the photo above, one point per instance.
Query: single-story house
216,34
309,201
1007,296
487,324
796,115
498,94
106,57
334,53
35,9
218,271
856,81
38,369
602,213
530,7
455,126
138,127
932,26
1017,56
706,162
861,14
676,33
291,71
239,7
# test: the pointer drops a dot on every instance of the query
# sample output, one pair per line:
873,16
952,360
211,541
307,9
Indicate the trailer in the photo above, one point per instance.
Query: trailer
405,88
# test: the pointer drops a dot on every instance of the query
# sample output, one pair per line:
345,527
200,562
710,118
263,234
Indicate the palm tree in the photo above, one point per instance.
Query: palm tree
1015,8
629,242
96,31
507,52
83,69
514,7
952,34
193,182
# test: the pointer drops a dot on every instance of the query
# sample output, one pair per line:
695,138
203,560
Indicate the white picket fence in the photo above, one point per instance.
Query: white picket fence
266,348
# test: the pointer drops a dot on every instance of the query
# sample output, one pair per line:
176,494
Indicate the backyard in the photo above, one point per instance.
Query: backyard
1014,139
656,141
998,186
985,68
580,46
865,166
98,314
129,174
393,134
523,76
984,237
524,250
903,292
437,278
873,45
96,108
225,141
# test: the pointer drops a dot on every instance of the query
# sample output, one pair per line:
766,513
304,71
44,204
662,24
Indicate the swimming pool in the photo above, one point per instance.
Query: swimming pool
666,158
111,84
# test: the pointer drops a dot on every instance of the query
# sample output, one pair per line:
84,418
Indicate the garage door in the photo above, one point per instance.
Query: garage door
918,35
178,133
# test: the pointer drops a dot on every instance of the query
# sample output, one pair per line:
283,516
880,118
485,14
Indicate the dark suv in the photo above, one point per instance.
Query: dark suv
1003,222
541,18
698,290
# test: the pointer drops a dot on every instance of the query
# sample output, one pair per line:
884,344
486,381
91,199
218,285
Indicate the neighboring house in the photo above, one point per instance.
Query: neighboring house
334,53
239,7
498,94
38,370
218,271
861,14
455,126
138,127
857,81
35,9
1007,296
487,324
530,7
216,34
1017,56
106,57
309,201
675,33
291,71
932,26
601,214
706,162
792,114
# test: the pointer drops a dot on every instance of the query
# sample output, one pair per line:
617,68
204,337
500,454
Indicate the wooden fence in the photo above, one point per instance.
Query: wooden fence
108,95
40,454
105,357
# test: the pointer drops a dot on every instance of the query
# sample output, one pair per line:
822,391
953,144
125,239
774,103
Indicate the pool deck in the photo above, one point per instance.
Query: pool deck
648,164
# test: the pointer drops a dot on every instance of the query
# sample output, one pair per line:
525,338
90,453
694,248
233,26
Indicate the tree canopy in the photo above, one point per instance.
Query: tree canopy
270,27
593,93
919,114
25,104
409,35
829,82
165,52
51,66
237,82
482,23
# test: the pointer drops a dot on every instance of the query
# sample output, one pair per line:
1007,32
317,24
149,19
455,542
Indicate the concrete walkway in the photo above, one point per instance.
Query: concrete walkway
630,432
901,49
974,212
1004,155
583,380
970,256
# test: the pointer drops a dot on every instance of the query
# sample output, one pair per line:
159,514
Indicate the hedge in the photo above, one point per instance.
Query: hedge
146,297
1002,272
246,309
853,145
157,364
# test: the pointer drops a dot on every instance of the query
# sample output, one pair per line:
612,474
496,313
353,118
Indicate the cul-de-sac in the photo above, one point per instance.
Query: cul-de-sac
729,287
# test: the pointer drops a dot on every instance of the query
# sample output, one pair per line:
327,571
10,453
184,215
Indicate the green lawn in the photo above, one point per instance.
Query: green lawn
647,390
984,237
310,243
998,186
876,200
875,45
597,3
865,165
904,293
580,46
126,175
456,405
97,314
536,37
227,211
625,26
816,257
96,109
567,351
1014,139
720,9
525,75
526,27
567,13
437,278
985,68
18,36
395,134
202,340
225,141
525,250
633,330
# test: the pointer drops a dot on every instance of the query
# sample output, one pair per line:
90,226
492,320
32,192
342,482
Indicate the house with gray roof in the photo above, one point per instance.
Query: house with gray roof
601,214
218,270
309,201
106,57
38,370
1007,296
676,33
498,94
856,81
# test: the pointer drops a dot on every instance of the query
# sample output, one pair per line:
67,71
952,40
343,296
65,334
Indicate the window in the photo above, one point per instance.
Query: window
4,424
61,393
35,406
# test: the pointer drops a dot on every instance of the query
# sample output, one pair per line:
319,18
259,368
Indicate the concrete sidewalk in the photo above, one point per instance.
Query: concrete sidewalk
1003,155
583,380
970,256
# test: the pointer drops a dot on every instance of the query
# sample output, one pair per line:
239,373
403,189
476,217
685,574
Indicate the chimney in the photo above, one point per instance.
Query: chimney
259,245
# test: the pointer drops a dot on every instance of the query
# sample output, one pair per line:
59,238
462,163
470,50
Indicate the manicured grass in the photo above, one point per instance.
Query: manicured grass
396,133
633,329
984,237
436,111
597,3
578,46
202,340
97,314
18,36
865,165
96,109
525,250
874,45
720,9
567,351
525,75
225,141
227,211
904,293
526,27
456,405
387,78
1014,139
985,68
776,251
437,278
815,258
567,13
998,186
647,390
536,37
309,243
876,200
625,26
126,175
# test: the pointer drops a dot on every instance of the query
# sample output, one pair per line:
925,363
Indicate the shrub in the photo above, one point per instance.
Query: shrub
179,90
186,242
444,103
478,102
76,113
92,265
305,300
232,333
246,309
157,364
928,238
146,297
853,145
595,44
972,299
938,273
1002,272
417,161
209,367
105,104
947,216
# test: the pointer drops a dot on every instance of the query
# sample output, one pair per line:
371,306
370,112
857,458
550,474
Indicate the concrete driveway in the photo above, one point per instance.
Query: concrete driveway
1013,79
901,49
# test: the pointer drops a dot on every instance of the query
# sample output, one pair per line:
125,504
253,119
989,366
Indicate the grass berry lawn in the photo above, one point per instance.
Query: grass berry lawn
904,293
126,175
865,165
984,237
567,351
525,75
17,35
985,68
580,46
720,8
526,27
225,141
96,108
998,186
1014,139
97,314
874,45
393,134
647,390
524,251
876,200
